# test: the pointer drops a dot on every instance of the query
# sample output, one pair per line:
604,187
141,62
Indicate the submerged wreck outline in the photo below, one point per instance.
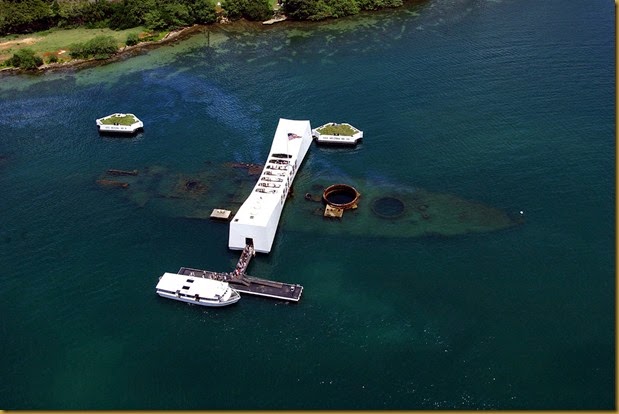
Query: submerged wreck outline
195,195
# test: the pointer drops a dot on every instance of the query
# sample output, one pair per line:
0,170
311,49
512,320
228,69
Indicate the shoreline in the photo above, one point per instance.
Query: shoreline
130,51
122,53
173,36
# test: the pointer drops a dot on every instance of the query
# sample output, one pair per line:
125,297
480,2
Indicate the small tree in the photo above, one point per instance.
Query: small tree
234,8
132,39
203,11
154,20
306,9
100,46
25,59
341,8
249,9
258,10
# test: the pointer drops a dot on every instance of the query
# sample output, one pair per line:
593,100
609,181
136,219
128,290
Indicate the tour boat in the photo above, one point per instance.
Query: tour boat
196,290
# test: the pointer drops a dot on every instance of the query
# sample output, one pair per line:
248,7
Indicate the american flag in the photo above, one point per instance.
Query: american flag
293,136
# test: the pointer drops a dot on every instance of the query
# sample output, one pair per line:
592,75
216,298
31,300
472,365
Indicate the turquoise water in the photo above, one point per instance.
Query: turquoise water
509,103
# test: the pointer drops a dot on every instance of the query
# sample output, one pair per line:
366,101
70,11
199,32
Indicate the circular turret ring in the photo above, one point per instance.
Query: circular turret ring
342,196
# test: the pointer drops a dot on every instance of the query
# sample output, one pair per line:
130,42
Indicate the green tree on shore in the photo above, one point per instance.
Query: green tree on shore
25,59
322,9
249,9
132,39
25,16
100,47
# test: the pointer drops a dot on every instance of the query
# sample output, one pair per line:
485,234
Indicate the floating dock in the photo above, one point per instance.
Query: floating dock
243,283
254,286
275,20
221,214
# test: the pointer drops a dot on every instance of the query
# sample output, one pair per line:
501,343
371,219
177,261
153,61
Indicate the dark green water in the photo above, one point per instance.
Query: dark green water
510,103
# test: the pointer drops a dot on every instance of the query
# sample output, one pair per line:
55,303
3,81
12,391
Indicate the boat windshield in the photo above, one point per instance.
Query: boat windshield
226,295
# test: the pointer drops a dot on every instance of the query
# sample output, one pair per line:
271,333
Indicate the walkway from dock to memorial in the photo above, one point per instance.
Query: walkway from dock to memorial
251,285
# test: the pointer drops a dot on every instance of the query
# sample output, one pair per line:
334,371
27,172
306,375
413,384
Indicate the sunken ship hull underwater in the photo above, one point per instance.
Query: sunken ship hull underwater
384,209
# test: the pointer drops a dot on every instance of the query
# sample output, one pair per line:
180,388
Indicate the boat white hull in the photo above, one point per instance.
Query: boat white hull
202,301
197,290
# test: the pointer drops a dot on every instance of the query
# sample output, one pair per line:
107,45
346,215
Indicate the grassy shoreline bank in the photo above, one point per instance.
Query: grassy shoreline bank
57,42
61,40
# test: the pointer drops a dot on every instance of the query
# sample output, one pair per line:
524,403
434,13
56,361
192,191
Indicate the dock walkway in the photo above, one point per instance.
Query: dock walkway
249,284
246,255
